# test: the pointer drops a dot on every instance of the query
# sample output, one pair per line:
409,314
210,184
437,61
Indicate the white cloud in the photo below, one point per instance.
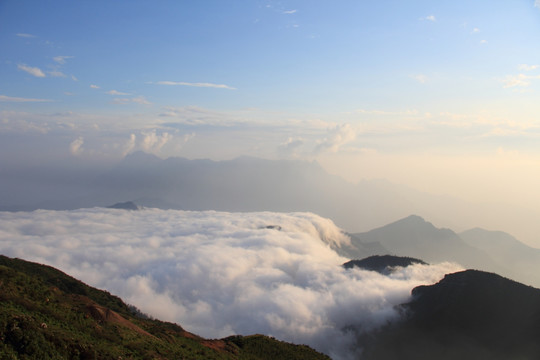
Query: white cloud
292,143
62,59
475,30
141,100
408,113
288,12
74,78
537,3
431,18
291,148
25,35
137,100
121,101
525,67
336,138
188,137
4,98
206,85
92,86
75,148
421,78
521,80
194,115
114,92
31,70
153,142
129,145
218,274
56,73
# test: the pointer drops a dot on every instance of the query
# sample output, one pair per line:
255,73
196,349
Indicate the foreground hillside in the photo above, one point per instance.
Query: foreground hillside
467,315
46,314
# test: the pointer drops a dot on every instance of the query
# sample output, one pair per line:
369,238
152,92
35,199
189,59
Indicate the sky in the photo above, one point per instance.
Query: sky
439,96
218,273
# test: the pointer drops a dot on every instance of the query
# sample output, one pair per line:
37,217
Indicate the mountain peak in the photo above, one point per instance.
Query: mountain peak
413,219
383,264
128,205
138,157
413,223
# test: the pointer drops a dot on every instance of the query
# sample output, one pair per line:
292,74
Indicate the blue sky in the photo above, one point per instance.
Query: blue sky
441,96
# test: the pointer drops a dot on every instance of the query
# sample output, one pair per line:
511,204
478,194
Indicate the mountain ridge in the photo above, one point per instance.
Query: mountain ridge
48,314
412,236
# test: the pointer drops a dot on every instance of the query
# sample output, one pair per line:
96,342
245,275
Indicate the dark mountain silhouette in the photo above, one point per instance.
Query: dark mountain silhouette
383,264
415,237
46,314
467,315
522,261
128,205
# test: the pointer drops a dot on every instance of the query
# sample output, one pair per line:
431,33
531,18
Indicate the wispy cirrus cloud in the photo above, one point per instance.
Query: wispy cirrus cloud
34,71
141,100
118,93
137,100
24,35
56,73
519,80
537,3
421,78
288,12
526,67
62,59
4,98
204,85
430,18
93,86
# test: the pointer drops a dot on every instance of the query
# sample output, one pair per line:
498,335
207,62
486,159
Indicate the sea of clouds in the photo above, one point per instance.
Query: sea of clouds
218,273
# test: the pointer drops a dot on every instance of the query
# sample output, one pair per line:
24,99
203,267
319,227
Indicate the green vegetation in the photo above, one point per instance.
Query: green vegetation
46,314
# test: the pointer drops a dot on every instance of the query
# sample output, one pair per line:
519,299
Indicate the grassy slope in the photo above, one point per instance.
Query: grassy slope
46,314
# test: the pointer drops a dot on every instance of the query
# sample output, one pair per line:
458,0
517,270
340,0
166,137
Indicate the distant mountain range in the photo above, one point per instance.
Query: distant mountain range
246,184
467,315
521,261
474,249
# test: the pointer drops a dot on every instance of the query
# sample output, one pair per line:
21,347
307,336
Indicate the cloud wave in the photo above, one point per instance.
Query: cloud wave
219,273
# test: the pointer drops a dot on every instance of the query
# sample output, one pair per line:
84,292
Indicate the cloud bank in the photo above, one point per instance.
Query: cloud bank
219,273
